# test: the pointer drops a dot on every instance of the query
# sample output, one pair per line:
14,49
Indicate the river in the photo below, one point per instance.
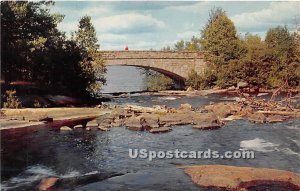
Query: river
28,157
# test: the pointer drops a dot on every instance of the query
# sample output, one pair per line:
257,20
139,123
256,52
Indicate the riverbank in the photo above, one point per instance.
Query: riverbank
20,118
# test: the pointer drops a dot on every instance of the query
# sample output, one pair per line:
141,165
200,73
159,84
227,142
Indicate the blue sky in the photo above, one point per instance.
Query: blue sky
148,25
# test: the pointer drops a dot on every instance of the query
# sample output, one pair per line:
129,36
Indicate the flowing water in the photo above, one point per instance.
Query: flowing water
29,156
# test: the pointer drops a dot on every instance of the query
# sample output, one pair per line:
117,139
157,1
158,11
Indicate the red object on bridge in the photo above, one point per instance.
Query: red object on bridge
126,48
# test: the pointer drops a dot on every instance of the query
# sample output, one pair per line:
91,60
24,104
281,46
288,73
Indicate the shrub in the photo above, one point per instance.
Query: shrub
12,100
159,82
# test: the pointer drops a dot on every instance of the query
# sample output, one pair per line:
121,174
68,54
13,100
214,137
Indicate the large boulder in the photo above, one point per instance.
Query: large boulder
134,123
242,178
170,119
223,110
149,120
204,118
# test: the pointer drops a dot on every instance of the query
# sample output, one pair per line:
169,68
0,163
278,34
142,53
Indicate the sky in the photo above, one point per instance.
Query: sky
148,25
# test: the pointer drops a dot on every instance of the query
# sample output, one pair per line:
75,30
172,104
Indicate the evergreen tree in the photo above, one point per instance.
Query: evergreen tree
92,65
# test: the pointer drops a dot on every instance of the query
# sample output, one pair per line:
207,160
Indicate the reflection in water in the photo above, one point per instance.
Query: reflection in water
124,79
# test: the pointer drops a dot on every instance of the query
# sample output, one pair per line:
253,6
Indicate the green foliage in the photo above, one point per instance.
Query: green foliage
192,45
179,46
11,100
221,41
203,80
269,63
157,82
36,51
92,65
283,53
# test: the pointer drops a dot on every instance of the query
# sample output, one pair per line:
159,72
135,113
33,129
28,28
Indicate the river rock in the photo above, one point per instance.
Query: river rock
47,183
170,119
134,123
160,130
185,107
149,120
117,123
275,118
257,118
200,118
65,128
242,178
223,110
93,123
103,128
207,126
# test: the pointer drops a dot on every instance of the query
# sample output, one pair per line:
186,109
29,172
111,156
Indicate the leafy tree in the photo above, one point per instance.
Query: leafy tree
179,46
193,44
221,41
283,52
92,66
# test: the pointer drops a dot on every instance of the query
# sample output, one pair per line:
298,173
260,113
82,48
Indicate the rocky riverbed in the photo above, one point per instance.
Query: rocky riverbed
86,157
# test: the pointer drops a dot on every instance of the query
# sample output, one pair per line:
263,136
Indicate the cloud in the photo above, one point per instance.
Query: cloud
112,38
68,26
187,35
278,13
194,7
128,24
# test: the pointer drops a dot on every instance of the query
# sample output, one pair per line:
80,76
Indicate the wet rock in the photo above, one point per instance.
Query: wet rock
257,118
275,118
160,130
47,183
207,126
92,123
186,107
134,123
200,118
117,123
170,119
242,178
65,128
102,128
223,110
149,121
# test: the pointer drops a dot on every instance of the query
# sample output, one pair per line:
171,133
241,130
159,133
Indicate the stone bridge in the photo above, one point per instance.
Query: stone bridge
175,65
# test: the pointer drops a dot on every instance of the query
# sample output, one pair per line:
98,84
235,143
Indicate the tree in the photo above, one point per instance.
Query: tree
221,41
193,44
92,65
283,52
28,30
179,46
